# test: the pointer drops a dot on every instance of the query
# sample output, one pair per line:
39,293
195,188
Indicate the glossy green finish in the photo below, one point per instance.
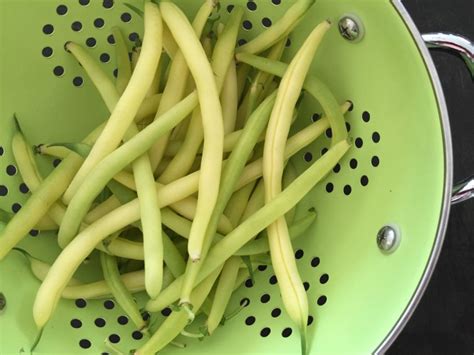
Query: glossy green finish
367,291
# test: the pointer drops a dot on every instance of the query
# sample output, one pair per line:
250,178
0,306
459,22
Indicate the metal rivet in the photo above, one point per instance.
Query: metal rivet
388,239
351,28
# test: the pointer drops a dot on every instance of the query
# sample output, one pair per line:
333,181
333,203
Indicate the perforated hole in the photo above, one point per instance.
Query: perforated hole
265,332
347,190
84,2
3,190
247,25
286,332
80,303
137,335
288,43
310,320
122,320
99,322
241,42
306,285
353,163
276,2
324,279
91,42
16,207
375,161
266,22
276,312
315,117
76,323
308,157
77,81
47,52
322,300
111,39
133,37
252,6
126,17
85,343
76,26
273,280
230,8
99,22
366,116
315,261
364,180
34,232
61,10
109,304
56,162
48,29
114,338
359,143
250,320
248,283
58,71
23,188
166,312
11,170
265,298
337,168
108,4
329,187
376,137
104,57
262,267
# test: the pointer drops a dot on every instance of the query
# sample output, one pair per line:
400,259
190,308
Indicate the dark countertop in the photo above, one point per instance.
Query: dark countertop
443,323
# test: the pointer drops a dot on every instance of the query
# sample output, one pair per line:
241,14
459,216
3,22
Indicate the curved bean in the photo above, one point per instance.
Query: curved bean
129,103
212,121
224,289
261,246
115,162
123,62
314,86
119,290
241,235
230,100
231,172
177,321
279,30
177,81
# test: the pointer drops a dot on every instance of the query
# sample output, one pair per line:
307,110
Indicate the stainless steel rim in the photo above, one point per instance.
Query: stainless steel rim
448,183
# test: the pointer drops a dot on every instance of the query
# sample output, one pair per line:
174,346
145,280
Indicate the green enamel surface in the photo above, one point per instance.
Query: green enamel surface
366,292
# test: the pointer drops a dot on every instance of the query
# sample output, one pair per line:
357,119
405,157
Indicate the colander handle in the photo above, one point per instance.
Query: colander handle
456,43
462,46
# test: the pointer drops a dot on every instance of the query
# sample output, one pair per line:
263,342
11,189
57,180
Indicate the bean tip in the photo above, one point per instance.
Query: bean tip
66,45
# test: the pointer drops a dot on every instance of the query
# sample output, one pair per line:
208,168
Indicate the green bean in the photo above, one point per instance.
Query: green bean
176,223
241,235
129,103
115,162
123,62
119,290
279,29
258,85
52,151
173,258
28,169
40,270
221,59
187,209
229,99
261,246
230,175
212,121
313,85
224,289
102,209
177,81
256,201
45,224
289,175
238,203
243,72
177,321
155,84
283,260
151,224
169,44
184,187
136,51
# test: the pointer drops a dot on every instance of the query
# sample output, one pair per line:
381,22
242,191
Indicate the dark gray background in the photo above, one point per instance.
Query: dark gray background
444,321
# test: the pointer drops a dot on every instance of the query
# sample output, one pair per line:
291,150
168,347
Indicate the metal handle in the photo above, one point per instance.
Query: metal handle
462,46
459,44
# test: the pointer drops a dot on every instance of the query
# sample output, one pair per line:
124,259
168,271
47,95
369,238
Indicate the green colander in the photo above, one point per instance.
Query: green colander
381,215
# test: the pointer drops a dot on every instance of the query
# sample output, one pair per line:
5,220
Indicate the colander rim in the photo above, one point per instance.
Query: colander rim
448,182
